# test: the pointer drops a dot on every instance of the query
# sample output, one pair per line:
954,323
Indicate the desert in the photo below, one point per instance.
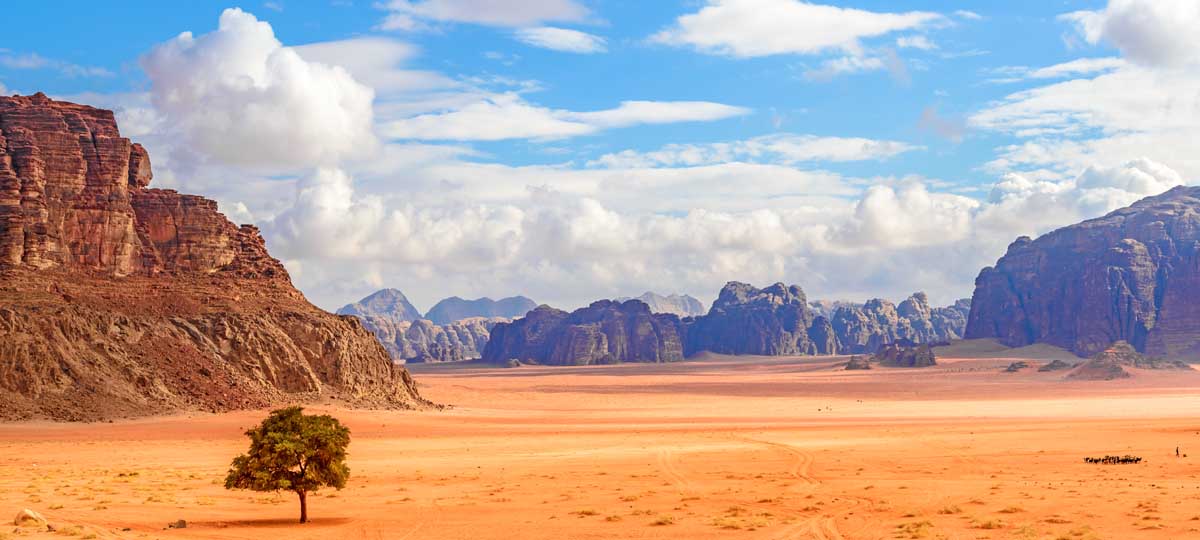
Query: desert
721,447
600,269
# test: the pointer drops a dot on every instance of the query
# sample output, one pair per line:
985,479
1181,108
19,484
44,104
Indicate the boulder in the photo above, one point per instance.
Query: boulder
858,363
27,518
905,354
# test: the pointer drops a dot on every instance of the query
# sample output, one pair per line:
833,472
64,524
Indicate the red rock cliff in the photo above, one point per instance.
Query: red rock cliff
121,300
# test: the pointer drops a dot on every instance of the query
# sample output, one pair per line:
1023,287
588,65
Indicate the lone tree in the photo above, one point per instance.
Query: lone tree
295,452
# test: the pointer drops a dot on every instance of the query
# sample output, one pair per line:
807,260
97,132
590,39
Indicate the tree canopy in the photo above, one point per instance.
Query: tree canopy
292,451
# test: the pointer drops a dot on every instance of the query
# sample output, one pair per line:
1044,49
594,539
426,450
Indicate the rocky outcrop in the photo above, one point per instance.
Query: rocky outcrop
677,304
1132,275
907,355
423,341
605,332
121,300
456,309
822,336
863,329
1055,365
1017,366
386,304
746,320
857,363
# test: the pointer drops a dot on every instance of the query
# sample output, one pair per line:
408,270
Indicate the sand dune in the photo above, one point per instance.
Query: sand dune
760,448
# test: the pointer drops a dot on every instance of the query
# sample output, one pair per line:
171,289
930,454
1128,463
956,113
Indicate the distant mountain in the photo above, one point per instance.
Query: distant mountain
422,341
605,332
456,309
682,305
389,304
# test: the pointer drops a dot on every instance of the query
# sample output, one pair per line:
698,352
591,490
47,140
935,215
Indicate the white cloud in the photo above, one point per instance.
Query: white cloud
569,236
1128,113
36,61
3,89
968,15
915,42
411,14
748,28
376,62
781,149
844,65
1150,32
508,116
561,39
1079,66
240,97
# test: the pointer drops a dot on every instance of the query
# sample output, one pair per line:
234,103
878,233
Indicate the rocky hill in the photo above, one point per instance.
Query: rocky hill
121,300
456,309
388,304
677,304
605,332
1132,275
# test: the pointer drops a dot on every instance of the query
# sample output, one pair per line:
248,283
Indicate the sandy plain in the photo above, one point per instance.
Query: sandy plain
720,447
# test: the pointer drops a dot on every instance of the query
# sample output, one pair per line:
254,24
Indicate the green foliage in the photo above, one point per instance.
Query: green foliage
292,451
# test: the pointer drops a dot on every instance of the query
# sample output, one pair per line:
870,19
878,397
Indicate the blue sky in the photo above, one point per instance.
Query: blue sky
473,147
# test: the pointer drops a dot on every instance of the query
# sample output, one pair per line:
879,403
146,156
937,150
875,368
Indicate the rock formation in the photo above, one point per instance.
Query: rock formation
1016,366
681,305
863,329
387,304
746,320
905,354
1055,365
1132,275
605,332
857,362
423,341
456,309
121,300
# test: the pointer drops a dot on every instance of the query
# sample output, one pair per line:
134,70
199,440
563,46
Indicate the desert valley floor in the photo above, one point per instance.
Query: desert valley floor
721,447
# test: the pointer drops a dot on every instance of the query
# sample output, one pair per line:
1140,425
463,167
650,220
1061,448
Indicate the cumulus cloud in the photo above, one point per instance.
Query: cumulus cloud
570,236
785,149
749,28
508,116
562,39
240,97
412,14
1150,32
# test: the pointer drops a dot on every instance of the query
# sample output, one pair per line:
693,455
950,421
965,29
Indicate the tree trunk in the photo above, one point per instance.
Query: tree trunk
303,506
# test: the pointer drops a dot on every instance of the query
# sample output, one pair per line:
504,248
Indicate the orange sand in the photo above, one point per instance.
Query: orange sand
754,448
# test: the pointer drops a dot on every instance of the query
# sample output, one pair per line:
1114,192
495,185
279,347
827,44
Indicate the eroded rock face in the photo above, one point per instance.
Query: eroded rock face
678,304
603,333
455,309
121,300
746,320
423,341
1132,275
863,329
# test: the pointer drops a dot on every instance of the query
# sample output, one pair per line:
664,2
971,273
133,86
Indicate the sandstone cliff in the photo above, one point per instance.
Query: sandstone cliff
1132,275
121,300
454,309
863,329
605,332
